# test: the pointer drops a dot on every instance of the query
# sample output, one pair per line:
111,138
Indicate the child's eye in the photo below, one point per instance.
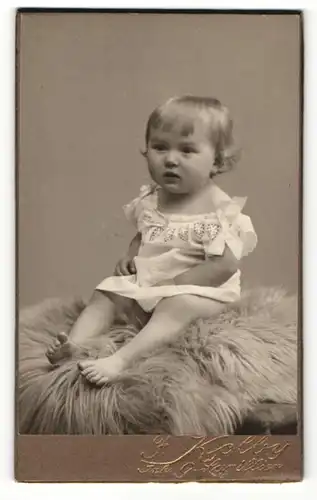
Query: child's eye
188,150
159,147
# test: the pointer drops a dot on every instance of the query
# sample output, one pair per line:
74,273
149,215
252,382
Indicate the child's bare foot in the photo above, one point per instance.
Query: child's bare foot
62,349
102,370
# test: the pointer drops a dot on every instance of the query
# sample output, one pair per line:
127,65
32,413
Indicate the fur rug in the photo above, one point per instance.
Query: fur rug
206,382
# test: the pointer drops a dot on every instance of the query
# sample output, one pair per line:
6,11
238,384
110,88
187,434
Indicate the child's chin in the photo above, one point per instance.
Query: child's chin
174,188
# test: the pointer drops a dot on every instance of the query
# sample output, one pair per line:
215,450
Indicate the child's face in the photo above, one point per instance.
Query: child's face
180,154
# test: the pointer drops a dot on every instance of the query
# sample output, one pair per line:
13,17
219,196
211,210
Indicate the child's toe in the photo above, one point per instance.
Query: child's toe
101,381
62,337
83,365
89,371
85,372
97,379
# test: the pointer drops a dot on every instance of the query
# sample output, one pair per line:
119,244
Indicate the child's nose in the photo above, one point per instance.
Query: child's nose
171,159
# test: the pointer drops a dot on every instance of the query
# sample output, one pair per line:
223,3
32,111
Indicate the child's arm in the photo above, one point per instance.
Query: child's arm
126,266
213,272
134,246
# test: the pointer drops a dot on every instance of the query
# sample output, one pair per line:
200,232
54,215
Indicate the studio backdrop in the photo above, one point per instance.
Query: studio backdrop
88,84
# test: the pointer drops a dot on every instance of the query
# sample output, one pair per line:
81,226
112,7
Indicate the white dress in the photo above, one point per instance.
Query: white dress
172,244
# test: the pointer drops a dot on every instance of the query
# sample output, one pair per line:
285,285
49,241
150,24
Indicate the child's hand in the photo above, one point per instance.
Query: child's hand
125,267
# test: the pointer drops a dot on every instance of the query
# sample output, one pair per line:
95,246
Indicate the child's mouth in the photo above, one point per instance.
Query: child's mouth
171,175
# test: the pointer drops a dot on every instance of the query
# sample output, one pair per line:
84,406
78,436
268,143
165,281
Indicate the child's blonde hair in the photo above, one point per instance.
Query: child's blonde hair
220,122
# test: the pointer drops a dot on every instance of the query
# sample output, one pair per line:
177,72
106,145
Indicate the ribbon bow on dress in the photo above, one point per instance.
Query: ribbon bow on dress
236,229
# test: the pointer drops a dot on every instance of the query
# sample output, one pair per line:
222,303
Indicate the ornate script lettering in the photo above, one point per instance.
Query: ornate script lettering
213,457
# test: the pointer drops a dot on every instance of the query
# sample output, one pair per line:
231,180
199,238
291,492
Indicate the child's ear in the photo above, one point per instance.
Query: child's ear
220,165
144,152
214,170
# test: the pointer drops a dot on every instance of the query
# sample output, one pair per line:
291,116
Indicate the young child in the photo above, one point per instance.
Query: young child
183,263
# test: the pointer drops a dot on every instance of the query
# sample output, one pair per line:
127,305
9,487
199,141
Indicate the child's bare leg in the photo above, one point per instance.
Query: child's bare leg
94,320
170,318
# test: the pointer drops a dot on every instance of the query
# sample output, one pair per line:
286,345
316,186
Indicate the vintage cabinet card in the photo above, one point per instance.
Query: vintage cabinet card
158,174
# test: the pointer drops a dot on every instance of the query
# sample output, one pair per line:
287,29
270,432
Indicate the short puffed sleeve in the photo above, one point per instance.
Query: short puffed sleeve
235,230
246,233
133,210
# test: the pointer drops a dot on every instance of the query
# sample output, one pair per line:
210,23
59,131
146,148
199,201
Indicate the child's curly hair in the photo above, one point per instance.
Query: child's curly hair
220,123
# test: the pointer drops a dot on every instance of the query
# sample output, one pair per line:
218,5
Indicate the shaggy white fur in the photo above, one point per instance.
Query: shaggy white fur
204,383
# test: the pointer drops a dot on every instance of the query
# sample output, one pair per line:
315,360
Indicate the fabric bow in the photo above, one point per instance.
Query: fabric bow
227,214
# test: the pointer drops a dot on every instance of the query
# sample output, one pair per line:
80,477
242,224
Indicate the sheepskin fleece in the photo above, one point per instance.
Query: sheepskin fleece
203,383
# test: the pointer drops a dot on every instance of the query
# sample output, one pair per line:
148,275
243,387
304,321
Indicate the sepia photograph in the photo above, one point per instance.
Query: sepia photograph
158,215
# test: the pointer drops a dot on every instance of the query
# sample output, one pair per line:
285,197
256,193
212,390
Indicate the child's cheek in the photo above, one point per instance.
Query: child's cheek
152,170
